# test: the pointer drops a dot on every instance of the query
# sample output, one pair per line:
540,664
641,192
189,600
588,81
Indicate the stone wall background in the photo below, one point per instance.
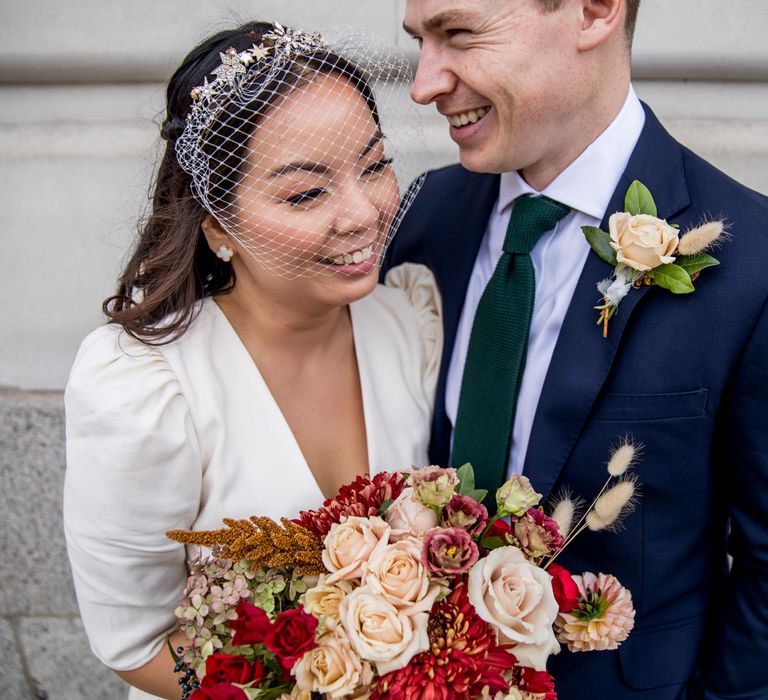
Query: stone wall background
81,85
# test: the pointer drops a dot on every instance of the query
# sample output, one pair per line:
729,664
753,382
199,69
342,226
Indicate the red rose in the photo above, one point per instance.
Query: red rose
499,528
564,588
251,625
227,668
220,691
292,634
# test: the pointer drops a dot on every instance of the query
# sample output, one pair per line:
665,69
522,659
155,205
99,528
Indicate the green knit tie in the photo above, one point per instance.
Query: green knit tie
498,345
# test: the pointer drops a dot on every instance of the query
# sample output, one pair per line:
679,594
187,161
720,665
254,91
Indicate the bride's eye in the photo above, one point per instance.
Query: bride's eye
377,167
306,197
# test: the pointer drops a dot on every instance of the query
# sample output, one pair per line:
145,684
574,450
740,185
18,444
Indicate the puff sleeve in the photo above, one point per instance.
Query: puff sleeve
134,471
419,286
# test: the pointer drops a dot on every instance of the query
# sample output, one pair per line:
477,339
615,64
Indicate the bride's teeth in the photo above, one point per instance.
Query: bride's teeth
356,257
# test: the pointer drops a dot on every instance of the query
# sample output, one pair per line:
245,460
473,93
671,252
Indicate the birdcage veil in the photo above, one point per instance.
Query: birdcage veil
301,149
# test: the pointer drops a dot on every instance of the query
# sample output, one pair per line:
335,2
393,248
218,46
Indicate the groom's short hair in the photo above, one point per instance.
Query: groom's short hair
629,24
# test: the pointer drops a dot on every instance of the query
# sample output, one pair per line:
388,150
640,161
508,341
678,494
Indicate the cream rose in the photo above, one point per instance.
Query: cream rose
516,598
397,574
642,242
380,633
349,544
408,517
332,667
322,600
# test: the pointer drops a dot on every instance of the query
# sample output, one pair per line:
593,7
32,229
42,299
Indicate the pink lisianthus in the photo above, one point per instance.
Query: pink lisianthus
537,534
448,551
603,619
433,486
466,513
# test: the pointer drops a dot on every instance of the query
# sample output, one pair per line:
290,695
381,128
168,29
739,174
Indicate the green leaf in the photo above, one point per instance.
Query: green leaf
493,542
695,263
674,278
600,242
466,479
639,200
477,494
384,506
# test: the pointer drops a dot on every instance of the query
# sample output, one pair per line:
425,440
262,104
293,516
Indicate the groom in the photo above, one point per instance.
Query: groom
537,96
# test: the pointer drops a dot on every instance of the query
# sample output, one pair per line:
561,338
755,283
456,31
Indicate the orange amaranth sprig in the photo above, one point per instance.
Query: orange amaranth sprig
262,541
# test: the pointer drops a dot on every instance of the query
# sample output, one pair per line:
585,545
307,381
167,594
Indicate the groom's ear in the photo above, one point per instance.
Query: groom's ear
601,21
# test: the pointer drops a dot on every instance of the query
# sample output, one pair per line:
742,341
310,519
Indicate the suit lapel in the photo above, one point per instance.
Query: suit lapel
582,358
467,215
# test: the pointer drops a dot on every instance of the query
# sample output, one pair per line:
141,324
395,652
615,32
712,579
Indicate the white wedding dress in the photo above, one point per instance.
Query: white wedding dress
181,435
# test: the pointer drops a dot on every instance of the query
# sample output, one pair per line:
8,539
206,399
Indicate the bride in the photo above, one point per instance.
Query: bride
251,363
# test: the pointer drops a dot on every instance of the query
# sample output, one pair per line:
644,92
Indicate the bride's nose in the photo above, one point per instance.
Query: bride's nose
357,211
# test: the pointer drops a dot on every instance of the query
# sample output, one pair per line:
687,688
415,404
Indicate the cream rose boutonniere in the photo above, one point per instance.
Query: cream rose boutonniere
644,249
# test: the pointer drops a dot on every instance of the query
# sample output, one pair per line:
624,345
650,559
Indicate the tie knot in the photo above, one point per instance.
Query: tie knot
531,217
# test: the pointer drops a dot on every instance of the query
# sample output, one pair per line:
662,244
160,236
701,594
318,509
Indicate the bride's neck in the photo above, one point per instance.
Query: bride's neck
287,326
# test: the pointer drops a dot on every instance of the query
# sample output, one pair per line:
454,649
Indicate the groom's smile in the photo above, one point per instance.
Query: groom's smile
503,75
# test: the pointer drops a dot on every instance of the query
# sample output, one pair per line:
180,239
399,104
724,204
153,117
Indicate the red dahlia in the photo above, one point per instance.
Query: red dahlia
463,658
363,498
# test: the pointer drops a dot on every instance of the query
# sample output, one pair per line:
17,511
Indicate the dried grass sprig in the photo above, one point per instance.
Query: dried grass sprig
566,510
699,239
264,542
612,506
615,499
622,458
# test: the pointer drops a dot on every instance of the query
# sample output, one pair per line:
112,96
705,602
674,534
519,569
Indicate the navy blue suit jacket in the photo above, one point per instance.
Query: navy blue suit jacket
687,376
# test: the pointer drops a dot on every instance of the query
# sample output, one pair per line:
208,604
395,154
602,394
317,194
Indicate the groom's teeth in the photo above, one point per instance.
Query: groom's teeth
470,117
355,257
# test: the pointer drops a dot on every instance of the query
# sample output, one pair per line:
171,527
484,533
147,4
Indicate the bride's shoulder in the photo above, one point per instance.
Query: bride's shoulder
115,365
409,308
414,285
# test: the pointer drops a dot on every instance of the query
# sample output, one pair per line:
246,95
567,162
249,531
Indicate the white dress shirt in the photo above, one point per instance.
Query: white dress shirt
586,186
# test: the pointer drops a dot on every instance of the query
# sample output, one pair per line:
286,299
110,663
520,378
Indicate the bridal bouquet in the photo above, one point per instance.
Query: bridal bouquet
403,586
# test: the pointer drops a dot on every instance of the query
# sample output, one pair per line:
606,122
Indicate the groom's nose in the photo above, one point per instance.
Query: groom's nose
433,76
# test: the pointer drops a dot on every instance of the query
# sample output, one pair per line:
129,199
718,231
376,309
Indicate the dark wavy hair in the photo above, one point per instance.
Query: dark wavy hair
172,267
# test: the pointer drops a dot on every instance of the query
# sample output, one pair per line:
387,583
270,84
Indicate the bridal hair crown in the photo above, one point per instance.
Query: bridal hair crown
236,67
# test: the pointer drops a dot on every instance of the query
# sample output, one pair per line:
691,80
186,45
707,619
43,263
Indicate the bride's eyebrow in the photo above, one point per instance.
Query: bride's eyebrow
378,136
310,166
299,165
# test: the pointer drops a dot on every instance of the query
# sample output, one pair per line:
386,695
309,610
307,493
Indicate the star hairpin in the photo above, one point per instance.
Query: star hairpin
231,66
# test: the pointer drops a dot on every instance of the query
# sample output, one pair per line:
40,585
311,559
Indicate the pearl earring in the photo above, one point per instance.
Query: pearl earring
225,253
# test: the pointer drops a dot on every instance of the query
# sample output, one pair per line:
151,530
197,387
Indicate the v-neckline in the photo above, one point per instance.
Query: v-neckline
362,372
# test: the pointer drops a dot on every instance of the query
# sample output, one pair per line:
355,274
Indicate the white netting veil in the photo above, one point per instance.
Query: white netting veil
299,147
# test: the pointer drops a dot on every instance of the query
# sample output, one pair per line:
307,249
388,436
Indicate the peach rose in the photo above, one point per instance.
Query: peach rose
380,633
516,598
332,667
642,242
322,600
408,517
397,574
350,543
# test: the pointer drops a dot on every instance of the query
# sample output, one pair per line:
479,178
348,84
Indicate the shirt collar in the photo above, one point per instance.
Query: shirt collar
587,184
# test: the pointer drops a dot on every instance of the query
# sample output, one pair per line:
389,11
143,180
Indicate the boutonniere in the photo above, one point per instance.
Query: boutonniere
644,250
